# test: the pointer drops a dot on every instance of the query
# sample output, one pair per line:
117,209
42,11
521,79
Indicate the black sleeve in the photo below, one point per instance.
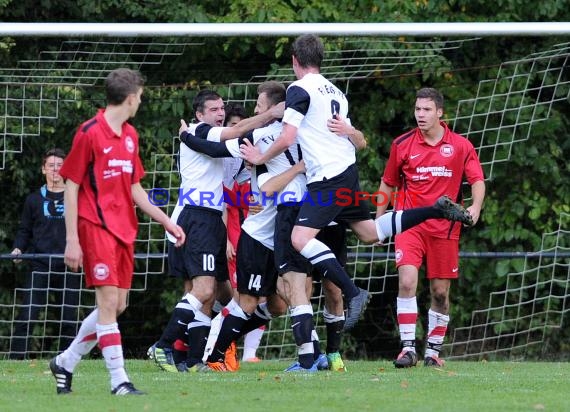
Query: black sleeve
297,99
247,136
212,149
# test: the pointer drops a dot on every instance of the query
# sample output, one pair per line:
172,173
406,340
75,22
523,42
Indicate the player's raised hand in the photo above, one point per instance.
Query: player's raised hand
250,152
183,127
278,110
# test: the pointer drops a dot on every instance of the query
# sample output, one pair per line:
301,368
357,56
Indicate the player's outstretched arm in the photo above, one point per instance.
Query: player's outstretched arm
140,197
255,122
253,155
277,183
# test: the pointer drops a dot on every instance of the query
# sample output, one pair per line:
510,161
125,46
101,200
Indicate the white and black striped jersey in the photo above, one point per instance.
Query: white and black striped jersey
310,102
201,176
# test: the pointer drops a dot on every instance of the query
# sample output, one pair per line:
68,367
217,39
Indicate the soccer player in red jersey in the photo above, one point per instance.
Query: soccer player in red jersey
103,172
426,163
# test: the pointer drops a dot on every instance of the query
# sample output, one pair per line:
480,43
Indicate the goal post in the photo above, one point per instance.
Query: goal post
508,106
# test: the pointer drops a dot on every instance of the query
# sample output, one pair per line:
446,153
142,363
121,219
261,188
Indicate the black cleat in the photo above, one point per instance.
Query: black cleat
434,361
406,359
62,378
453,211
356,307
126,388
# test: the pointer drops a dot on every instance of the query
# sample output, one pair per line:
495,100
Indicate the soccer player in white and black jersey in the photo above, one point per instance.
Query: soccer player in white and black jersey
311,102
256,271
200,204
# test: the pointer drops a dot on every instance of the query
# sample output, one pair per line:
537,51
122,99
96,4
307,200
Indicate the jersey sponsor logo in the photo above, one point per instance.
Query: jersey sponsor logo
435,171
125,165
414,156
129,144
101,271
454,270
282,266
446,150
107,149
303,219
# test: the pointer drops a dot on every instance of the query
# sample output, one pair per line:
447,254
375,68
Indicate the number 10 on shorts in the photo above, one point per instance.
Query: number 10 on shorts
208,263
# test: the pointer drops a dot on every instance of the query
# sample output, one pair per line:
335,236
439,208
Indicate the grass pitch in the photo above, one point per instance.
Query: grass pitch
367,386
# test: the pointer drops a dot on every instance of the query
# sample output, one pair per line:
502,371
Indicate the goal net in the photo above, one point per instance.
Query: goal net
506,111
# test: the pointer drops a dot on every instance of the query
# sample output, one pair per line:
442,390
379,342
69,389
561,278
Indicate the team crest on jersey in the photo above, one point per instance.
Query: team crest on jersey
446,150
399,255
101,271
129,144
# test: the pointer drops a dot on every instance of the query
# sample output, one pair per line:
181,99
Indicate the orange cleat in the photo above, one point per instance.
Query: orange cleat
231,361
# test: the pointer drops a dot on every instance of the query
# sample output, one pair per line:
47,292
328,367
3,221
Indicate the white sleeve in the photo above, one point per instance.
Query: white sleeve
233,147
293,117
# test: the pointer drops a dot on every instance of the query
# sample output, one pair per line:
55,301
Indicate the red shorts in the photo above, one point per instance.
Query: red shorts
441,256
106,260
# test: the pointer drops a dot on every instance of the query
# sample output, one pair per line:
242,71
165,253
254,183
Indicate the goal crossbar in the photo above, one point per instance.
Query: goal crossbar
284,29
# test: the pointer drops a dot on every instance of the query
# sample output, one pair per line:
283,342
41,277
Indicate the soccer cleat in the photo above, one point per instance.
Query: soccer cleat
218,366
62,378
163,358
296,367
335,362
150,351
126,388
231,358
356,307
453,211
255,359
322,362
406,359
199,368
434,361
182,367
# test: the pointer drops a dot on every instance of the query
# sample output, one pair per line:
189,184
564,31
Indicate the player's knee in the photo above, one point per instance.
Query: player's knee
439,299
121,308
276,306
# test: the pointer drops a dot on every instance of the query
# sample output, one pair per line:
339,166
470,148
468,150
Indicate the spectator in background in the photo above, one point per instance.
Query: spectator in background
42,230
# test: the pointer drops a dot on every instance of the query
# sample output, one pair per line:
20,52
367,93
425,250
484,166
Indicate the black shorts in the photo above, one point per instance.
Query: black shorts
337,199
206,240
334,236
287,259
176,261
255,269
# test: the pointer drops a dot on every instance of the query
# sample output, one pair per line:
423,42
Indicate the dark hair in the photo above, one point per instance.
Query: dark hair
432,94
202,97
56,151
234,110
309,50
122,82
274,91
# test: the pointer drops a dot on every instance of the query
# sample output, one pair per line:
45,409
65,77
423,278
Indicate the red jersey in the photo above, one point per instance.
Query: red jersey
422,173
106,166
237,208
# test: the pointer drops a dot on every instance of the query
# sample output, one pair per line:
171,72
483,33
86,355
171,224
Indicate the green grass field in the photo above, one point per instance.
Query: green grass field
367,386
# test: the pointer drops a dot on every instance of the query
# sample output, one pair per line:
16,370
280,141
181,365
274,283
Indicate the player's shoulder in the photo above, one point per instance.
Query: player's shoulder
269,130
404,138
